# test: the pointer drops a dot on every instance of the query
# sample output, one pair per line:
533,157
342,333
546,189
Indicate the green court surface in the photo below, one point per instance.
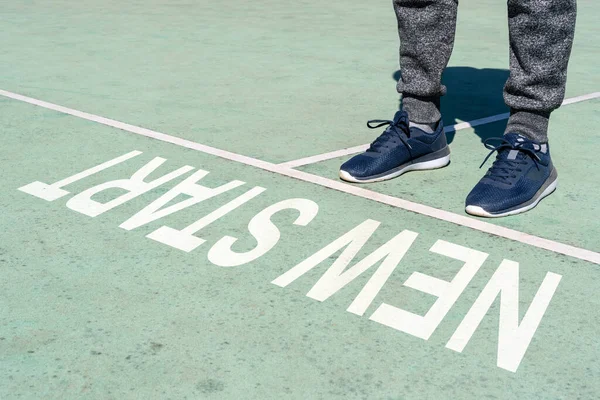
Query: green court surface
287,283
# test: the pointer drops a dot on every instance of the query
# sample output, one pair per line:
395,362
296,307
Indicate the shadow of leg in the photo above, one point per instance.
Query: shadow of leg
472,93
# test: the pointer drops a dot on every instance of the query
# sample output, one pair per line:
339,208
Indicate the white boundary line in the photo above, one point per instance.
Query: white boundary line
450,128
422,209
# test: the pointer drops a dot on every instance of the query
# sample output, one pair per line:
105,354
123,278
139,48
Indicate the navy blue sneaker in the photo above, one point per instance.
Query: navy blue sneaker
521,176
397,150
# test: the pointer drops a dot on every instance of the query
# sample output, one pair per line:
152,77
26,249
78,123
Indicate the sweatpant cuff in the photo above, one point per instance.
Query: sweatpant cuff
533,125
422,110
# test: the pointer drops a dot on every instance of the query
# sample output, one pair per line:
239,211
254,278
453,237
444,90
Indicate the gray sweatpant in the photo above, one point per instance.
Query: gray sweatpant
541,35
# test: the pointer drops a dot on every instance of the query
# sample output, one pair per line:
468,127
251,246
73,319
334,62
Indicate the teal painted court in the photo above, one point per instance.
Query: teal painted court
188,236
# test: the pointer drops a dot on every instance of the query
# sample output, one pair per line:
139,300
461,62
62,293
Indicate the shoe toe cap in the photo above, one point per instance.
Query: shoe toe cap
358,166
483,196
496,198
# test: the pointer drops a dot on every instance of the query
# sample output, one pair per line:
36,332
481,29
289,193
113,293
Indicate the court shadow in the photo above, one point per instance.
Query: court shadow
472,94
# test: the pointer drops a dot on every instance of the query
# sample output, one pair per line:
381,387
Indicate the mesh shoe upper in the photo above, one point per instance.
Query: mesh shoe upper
396,146
521,169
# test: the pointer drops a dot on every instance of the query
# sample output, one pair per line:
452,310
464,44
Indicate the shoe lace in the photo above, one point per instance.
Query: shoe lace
503,169
398,128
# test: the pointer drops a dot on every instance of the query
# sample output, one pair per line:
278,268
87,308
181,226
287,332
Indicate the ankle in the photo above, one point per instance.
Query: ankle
422,110
425,127
531,124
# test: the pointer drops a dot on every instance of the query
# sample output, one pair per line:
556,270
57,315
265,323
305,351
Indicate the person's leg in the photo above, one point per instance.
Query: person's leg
426,29
415,138
541,35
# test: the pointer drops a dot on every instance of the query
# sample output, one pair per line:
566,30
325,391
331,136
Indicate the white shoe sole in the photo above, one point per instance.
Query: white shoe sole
433,164
480,212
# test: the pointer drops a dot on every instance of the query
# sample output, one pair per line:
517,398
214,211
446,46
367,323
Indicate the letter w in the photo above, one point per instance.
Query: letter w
337,276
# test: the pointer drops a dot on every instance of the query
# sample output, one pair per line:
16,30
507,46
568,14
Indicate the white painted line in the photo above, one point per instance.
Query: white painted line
579,99
140,131
450,128
324,156
422,209
477,122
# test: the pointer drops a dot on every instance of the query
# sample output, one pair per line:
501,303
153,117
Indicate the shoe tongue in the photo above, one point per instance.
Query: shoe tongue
399,115
518,140
515,138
